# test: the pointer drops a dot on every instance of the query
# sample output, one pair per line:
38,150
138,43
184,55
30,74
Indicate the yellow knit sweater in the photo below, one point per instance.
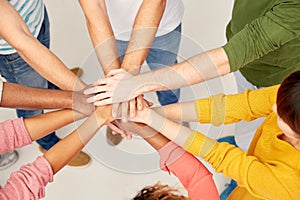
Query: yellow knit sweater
271,167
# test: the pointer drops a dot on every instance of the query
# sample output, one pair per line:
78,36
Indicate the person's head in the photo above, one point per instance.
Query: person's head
288,105
159,192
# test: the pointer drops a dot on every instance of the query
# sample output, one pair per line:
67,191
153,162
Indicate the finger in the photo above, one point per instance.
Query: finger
101,81
124,111
103,102
115,128
132,107
129,136
116,110
149,103
98,97
140,104
96,89
115,71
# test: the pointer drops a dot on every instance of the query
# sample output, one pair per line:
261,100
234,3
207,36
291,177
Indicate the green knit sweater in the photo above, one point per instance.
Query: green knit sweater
264,40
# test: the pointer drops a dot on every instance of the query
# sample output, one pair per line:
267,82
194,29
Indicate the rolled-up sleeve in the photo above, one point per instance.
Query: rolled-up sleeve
29,182
263,35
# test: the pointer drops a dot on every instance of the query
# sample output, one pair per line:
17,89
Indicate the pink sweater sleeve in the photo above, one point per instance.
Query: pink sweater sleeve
13,135
29,182
193,175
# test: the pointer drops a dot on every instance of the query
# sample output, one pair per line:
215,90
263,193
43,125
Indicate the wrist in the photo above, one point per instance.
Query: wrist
100,119
133,69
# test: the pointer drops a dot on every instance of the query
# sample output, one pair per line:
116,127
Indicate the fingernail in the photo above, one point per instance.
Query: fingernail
86,91
90,100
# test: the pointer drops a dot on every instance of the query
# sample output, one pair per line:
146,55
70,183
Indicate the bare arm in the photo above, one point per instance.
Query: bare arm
123,86
178,112
32,51
19,96
101,33
41,125
144,30
199,68
74,142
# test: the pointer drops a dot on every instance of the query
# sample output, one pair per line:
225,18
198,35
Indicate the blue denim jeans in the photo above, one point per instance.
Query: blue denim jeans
14,69
163,52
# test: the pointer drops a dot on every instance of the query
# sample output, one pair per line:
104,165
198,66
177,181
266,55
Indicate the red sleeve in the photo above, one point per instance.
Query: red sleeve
193,175
29,182
13,135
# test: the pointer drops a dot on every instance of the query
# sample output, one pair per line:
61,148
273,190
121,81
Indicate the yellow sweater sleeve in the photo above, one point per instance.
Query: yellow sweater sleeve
260,179
225,109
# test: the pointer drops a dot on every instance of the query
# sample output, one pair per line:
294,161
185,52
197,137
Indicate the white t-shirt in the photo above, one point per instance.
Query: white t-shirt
32,12
122,14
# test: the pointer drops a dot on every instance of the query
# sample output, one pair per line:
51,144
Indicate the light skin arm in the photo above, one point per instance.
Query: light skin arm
143,33
178,112
101,33
144,29
119,87
168,128
32,51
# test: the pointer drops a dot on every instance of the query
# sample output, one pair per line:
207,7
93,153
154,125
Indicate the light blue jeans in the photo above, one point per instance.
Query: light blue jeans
163,52
14,69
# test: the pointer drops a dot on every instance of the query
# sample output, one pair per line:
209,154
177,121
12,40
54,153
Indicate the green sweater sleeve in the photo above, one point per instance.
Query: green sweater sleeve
264,34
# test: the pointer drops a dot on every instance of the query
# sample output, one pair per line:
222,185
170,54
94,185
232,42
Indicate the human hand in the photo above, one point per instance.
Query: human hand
135,128
142,115
104,116
80,102
117,87
128,109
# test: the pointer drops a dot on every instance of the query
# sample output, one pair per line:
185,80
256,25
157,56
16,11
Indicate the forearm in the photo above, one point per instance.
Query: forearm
199,68
178,112
181,135
168,128
101,33
23,97
154,138
143,33
41,125
72,144
32,51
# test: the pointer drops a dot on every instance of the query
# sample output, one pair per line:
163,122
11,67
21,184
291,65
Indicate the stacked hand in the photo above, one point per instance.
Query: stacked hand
115,88
126,101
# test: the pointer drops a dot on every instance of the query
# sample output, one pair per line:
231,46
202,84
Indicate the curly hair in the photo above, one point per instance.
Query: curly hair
159,192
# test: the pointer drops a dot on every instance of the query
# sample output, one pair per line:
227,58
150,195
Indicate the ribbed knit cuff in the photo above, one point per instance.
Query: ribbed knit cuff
198,144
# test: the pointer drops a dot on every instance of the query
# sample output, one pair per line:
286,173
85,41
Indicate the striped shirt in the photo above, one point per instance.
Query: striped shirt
32,12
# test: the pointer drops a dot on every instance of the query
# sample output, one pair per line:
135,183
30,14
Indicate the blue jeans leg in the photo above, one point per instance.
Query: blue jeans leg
14,69
163,52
